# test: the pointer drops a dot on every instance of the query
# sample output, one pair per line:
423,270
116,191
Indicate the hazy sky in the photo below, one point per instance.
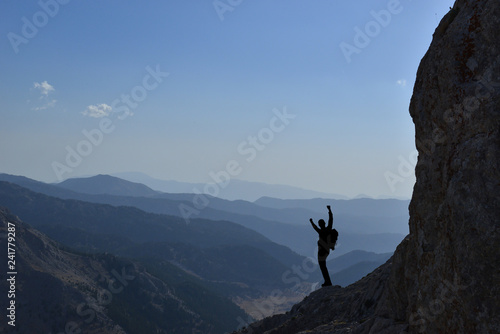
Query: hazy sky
312,94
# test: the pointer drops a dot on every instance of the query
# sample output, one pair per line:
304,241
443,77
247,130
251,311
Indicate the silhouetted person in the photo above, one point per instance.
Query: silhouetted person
324,233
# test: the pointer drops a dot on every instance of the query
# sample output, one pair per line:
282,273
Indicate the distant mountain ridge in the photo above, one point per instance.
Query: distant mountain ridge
100,227
285,223
106,184
107,245
371,207
235,190
126,221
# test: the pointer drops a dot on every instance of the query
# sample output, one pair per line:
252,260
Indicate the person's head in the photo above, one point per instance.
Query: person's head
321,223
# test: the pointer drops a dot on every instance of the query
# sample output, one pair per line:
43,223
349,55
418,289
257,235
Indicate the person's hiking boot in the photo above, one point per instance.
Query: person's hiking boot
326,284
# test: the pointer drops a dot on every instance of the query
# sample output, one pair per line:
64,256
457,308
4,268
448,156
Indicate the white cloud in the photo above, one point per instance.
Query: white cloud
98,110
47,105
401,82
44,87
43,102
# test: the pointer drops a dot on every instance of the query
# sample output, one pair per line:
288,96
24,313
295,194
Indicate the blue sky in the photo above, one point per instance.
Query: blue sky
178,89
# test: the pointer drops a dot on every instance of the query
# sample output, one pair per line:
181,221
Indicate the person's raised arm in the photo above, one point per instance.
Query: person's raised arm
330,217
314,225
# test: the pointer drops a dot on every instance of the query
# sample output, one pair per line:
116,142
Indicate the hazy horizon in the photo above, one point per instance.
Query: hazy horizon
227,191
313,96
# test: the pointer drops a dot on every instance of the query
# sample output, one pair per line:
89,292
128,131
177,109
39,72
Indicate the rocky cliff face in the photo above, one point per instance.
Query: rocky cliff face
445,276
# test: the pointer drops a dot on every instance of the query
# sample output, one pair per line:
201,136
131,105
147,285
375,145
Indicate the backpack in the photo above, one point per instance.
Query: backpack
332,239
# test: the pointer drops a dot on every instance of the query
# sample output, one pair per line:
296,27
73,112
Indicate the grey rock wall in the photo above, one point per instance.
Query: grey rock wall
446,278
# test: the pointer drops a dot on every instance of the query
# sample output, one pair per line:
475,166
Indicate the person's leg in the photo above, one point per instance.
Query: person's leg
322,255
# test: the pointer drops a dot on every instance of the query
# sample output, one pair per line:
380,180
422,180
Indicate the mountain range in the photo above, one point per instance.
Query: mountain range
227,255
365,224
58,290
104,184
234,190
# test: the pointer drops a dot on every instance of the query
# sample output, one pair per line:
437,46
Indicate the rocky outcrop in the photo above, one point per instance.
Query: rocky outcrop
445,276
